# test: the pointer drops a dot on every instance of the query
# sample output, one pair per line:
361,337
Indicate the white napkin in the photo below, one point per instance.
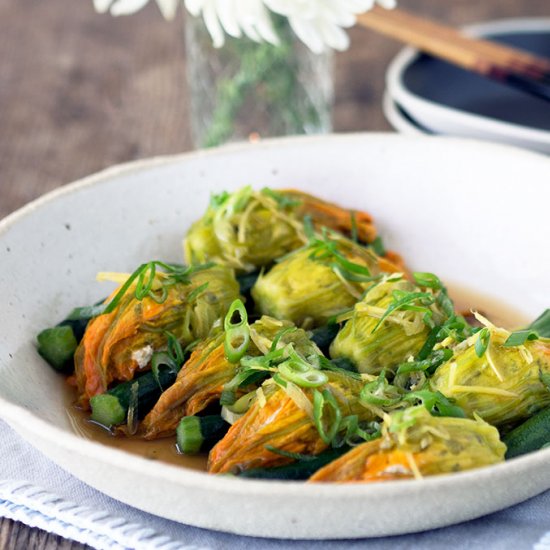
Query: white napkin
36,492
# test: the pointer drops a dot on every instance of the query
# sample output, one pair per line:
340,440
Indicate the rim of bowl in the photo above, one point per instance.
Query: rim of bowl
17,415
407,56
398,121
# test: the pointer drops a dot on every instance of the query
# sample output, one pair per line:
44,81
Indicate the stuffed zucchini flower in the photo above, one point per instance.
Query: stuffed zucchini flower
290,418
494,374
249,229
388,326
415,444
318,281
209,371
185,302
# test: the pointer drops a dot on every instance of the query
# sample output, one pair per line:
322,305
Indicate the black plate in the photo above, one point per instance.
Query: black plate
457,88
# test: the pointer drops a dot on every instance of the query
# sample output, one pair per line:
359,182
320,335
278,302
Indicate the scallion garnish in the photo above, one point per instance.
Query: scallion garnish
482,342
353,223
195,293
279,335
325,249
436,358
302,374
436,403
355,432
519,337
173,357
282,200
144,277
380,393
217,200
428,280
132,415
288,454
378,246
237,333
326,415
542,325
309,230
406,301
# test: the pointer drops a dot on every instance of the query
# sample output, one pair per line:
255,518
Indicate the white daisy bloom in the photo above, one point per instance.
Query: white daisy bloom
235,18
319,24
127,7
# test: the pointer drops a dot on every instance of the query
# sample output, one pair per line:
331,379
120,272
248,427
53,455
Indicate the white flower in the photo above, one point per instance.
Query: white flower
235,17
127,7
319,24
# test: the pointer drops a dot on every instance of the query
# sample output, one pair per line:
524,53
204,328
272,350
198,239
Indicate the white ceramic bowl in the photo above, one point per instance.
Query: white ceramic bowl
450,206
400,119
450,101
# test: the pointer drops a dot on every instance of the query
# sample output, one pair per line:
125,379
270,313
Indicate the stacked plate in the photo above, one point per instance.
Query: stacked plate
427,96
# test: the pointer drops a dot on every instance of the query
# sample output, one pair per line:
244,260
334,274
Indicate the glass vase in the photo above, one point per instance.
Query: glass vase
247,90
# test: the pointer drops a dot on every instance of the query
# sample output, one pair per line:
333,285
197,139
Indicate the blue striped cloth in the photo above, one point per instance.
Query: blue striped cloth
38,493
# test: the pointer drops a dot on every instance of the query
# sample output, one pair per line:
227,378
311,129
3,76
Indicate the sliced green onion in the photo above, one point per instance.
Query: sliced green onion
216,200
445,303
302,374
243,403
380,393
326,415
144,276
436,403
356,432
282,200
195,293
353,220
542,325
428,280
132,417
86,313
378,246
429,365
279,335
401,300
237,334
288,454
519,337
228,398
323,249
482,342
339,364
308,227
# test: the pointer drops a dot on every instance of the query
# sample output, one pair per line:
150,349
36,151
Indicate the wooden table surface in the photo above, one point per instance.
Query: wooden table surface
80,92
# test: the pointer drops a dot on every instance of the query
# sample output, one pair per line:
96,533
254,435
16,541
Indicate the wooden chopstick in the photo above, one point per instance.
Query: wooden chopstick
525,71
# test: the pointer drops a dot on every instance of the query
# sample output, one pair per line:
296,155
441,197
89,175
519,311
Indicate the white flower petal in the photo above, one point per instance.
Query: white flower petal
265,29
127,7
168,8
101,6
388,4
213,23
194,7
334,36
228,17
307,34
